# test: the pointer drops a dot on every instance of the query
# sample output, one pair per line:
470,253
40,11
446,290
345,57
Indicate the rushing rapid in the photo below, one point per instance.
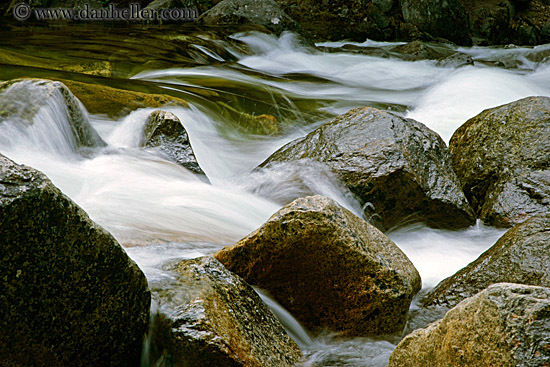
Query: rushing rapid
161,212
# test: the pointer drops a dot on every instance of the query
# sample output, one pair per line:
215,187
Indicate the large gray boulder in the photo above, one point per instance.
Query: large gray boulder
502,158
446,19
328,267
521,255
398,165
163,130
506,325
69,293
213,318
16,109
238,12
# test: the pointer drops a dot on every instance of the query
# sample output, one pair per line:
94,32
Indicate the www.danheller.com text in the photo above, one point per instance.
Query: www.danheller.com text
134,12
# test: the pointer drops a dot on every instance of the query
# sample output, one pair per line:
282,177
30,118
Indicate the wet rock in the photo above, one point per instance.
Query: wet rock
115,102
490,21
526,34
247,123
418,50
545,32
70,295
377,24
171,4
328,267
522,255
502,157
398,165
504,325
215,319
262,12
21,99
384,5
202,5
447,19
163,130
456,60
343,19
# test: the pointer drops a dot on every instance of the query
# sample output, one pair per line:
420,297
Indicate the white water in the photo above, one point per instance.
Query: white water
144,199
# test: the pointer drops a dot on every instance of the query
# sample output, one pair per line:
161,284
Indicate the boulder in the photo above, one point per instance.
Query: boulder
398,165
521,255
69,293
418,50
201,5
163,130
545,32
343,19
445,19
263,12
456,60
214,318
328,267
502,157
15,107
505,325
490,21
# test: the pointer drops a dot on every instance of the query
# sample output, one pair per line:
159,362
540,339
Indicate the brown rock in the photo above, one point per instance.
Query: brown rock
328,267
215,319
506,325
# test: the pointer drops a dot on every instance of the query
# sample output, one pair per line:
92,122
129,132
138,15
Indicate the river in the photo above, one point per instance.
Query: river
162,213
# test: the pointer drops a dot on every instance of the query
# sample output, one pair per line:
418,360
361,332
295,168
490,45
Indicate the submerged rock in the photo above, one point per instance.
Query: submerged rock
521,255
22,99
263,12
69,293
456,60
490,21
446,19
328,267
505,325
164,130
216,319
502,157
398,165
418,50
114,102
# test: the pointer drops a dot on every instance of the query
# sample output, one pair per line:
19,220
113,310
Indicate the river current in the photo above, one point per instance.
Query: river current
162,213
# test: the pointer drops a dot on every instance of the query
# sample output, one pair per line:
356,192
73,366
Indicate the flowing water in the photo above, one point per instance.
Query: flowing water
161,212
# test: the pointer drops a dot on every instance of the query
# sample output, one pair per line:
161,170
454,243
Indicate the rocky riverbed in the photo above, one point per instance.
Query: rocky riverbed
239,195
